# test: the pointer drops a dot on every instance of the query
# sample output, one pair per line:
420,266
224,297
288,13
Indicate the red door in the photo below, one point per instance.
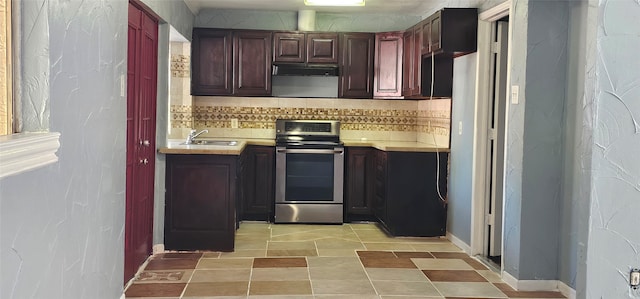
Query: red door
141,128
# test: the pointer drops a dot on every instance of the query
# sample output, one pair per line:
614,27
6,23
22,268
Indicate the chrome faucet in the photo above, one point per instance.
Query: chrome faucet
192,135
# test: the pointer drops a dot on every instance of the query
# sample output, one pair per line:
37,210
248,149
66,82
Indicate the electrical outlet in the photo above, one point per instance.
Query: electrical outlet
123,86
234,123
634,278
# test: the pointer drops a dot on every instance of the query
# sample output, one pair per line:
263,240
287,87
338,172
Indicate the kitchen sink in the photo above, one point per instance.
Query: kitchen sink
214,142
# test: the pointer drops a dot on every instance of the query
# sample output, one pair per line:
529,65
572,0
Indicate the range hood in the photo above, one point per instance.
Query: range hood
302,69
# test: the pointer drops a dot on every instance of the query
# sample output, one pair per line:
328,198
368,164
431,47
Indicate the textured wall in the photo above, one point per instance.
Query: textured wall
288,20
535,141
614,241
62,225
461,159
174,12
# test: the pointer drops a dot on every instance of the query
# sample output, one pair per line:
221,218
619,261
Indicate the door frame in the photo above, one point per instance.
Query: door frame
479,181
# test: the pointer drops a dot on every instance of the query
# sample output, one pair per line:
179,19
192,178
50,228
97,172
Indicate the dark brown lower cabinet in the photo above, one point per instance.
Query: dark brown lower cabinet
359,184
200,202
406,193
258,189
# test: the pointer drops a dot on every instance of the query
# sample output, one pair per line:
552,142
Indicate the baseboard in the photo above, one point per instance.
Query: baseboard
538,285
566,290
456,241
158,248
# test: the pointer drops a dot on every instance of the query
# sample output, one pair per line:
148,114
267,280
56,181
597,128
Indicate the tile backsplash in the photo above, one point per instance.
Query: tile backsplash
426,121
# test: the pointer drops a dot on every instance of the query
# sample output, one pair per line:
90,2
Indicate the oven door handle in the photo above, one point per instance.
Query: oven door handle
310,151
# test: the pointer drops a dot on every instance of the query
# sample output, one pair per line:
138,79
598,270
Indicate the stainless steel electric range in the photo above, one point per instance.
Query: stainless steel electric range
309,172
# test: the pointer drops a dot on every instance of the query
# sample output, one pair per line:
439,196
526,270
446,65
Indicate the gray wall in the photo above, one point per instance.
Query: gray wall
461,160
614,90
535,145
62,226
287,20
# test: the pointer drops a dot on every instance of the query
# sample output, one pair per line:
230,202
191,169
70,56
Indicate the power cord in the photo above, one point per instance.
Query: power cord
433,66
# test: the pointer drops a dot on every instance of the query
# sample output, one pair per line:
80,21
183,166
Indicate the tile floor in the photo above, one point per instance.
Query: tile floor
323,261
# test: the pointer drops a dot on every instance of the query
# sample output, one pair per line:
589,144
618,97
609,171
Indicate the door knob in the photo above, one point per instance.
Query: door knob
144,161
145,142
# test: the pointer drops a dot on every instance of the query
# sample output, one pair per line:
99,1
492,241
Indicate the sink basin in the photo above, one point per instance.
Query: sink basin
214,142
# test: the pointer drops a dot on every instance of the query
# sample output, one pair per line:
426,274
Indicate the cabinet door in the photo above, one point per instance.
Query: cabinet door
388,65
211,59
288,47
417,61
426,37
252,63
259,188
322,48
356,78
380,187
435,32
200,202
359,184
407,64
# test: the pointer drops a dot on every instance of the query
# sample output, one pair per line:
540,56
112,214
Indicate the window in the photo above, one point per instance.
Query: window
6,98
19,152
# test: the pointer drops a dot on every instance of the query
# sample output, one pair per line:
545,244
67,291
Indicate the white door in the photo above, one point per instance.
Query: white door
496,141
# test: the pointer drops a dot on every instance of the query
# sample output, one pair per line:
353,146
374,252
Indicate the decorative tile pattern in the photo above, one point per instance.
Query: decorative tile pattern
180,66
380,120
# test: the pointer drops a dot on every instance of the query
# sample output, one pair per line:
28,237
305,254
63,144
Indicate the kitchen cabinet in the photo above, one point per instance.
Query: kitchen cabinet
441,77
293,47
451,30
356,65
258,185
359,185
200,202
412,62
322,48
211,62
408,190
289,47
230,62
252,63
388,65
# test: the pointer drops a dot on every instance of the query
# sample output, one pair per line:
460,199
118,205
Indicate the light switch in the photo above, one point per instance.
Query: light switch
515,92
123,85
460,128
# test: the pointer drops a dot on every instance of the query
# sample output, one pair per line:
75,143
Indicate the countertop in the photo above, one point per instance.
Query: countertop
175,146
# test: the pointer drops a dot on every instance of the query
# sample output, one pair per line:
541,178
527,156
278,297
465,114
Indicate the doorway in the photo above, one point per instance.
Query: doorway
142,65
495,143
490,133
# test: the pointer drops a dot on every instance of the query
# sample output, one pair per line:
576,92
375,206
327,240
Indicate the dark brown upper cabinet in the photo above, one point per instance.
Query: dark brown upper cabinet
412,62
387,81
229,62
451,30
252,63
289,47
356,65
322,48
211,61
295,47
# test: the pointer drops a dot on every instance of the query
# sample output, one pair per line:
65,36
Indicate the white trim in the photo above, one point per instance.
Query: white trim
158,248
481,127
496,13
538,285
456,241
566,290
123,296
27,151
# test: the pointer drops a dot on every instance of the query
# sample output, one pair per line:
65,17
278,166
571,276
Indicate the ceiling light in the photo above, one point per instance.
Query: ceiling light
334,2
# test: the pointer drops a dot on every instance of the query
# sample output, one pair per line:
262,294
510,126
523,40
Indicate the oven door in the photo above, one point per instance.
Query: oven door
309,175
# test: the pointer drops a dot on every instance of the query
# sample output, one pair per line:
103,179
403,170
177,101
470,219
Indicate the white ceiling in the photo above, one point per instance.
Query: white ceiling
409,7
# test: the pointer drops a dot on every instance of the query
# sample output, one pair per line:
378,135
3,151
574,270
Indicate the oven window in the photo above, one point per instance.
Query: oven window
309,177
